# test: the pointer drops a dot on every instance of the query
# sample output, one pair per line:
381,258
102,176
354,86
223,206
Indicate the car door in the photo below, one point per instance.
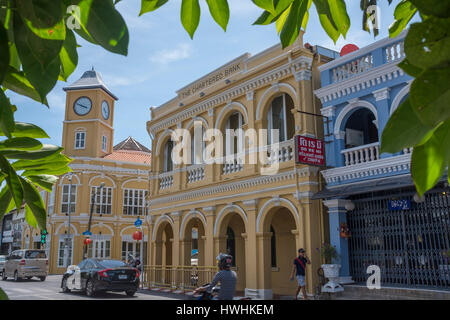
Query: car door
9,269
86,272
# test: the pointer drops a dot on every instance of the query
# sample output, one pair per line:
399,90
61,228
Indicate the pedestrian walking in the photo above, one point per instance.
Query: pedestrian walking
299,269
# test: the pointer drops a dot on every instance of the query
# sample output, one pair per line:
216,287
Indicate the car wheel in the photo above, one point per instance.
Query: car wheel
64,286
42,278
16,276
29,278
90,292
130,293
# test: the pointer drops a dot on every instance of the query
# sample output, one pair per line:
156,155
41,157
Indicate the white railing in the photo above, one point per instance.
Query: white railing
165,180
233,164
195,173
352,68
282,152
362,154
395,51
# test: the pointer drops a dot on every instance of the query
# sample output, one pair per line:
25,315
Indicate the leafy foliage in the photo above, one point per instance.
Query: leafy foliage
328,252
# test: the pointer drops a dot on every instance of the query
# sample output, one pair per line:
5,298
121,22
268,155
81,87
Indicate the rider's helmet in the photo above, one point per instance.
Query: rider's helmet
224,261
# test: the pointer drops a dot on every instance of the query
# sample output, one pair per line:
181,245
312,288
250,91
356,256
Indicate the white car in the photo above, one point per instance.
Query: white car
2,263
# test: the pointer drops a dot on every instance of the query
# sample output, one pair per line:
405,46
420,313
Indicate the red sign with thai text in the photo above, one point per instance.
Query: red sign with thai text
309,151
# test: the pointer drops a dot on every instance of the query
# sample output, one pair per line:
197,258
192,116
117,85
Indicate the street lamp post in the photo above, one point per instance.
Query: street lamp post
88,231
68,238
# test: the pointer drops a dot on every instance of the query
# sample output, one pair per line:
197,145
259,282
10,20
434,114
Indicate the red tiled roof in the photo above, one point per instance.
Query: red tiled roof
130,156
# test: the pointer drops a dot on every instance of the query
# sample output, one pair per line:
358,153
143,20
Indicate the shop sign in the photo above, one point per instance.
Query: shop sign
398,205
309,151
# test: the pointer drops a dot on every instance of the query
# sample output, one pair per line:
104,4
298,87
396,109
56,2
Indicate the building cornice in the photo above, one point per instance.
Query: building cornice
91,168
360,82
301,63
367,170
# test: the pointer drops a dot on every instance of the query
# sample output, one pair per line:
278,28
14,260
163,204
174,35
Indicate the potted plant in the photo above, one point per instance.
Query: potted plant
330,270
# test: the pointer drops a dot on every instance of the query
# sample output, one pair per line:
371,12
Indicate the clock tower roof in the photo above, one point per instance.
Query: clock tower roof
90,80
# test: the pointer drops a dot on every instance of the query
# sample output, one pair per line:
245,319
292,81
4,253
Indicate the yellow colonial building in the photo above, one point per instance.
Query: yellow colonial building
259,216
112,181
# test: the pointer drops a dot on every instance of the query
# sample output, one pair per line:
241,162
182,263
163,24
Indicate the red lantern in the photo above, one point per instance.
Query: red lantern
345,231
137,235
87,241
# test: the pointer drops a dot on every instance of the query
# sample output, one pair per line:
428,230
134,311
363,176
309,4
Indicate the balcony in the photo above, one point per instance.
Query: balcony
195,173
166,180
361,154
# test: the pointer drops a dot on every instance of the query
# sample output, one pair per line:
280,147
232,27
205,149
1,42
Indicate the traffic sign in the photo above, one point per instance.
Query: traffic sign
138,223
87,233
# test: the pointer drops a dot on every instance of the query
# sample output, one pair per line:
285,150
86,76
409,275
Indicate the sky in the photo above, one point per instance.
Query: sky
162,58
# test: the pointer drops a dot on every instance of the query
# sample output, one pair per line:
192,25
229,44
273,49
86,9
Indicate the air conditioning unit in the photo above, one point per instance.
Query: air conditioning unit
354,138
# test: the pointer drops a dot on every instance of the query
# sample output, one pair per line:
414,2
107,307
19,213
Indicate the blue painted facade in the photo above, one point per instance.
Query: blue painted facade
365,79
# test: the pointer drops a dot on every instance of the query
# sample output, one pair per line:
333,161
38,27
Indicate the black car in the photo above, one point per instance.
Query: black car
94,275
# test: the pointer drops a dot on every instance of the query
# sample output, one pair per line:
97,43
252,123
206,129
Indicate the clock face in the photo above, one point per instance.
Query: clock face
82,106
105,109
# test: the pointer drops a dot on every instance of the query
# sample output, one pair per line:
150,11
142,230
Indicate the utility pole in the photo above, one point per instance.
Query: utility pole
69,238
88,231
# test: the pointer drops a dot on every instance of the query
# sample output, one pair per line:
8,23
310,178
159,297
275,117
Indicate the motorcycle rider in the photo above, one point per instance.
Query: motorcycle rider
225,276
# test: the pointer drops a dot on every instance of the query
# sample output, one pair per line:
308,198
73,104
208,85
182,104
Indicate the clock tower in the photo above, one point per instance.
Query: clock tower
88,124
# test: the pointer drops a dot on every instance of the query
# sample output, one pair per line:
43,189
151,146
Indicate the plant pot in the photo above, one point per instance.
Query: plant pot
331,271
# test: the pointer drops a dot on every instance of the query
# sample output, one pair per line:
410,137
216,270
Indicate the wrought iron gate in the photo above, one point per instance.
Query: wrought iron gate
410,246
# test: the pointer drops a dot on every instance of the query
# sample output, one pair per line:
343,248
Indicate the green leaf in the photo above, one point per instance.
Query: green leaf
12,180
403,130
430,96
5,200
17,82
7,124
151,5
293,23
46,163
46,151
282,5
14,60
68,55
279,24
40,57
220,12
43,17
339,14
190,16
30,130
100,21
409,68
34,201
430,160
428,43
29,217
326,20
267,5
265,18
44,181
22,143
4,53
52,171
403,13
437,8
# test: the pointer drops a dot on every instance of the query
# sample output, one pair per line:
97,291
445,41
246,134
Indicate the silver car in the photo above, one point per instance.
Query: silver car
2,263
26,264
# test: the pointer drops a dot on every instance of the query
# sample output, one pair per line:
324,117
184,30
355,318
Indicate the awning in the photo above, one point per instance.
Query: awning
365,186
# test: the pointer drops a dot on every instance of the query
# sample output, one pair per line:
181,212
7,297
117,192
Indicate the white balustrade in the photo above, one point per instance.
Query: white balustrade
407,150
281,152
352,68
395,52
233,164
362,154
195,173
166,180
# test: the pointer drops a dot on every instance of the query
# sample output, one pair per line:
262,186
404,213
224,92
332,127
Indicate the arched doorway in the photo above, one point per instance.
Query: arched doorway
231,240
280,250
194,246
163,244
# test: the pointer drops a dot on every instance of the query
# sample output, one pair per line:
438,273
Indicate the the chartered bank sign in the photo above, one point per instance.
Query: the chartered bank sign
213,78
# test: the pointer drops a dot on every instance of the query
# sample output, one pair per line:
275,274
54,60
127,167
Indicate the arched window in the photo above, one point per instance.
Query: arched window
273,247
168,163
234,140
360,129
281,118
231,245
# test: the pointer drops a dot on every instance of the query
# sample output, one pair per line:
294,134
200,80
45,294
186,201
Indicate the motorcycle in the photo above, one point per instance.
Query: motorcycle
214,293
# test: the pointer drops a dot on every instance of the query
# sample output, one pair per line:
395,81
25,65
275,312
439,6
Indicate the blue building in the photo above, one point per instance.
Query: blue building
375,216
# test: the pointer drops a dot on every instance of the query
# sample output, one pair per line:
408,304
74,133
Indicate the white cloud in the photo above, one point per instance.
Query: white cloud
121,81
166,56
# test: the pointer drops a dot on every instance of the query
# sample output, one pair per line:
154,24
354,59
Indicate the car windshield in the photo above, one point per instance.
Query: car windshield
2,258
111,263
35,254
